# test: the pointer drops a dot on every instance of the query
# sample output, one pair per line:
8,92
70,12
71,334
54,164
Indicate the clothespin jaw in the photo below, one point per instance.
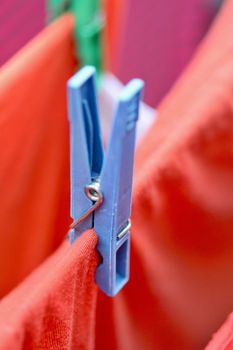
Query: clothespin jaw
101,188
89,22
112,219
86,143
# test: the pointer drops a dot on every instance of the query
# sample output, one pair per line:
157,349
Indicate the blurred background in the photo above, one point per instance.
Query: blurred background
133,30
181,287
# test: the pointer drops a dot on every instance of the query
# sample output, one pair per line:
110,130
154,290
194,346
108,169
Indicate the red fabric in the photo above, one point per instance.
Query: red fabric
115,15
54,308
181,284
182,245
34,168
223,339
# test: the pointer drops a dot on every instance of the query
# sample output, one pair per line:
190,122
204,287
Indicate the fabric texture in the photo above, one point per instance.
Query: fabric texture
155,40
19,22
181,288
115,14
54,308
223,339
34,169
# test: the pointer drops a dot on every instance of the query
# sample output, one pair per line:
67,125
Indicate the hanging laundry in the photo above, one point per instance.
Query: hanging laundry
180,290
34,171
114,12
20,21
154,40
54,308
223,338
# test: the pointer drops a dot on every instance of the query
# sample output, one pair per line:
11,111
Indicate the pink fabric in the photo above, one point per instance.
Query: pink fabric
157,39
20,20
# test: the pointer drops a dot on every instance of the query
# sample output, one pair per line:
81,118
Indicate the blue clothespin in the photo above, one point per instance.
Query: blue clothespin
101,187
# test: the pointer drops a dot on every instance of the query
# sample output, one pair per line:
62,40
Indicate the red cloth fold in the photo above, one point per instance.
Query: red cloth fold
54,308
181,288
34,169
181,284
223,339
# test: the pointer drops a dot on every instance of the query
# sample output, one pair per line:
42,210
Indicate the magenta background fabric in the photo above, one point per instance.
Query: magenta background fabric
157,39
20,20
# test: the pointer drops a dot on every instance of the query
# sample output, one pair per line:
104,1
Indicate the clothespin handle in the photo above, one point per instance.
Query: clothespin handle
112,218
102,186
86,143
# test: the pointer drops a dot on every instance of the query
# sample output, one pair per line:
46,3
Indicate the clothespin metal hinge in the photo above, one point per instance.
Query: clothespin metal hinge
93,192
101,182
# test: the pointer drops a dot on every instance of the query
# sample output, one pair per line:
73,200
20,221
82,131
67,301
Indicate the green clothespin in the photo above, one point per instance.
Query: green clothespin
89,22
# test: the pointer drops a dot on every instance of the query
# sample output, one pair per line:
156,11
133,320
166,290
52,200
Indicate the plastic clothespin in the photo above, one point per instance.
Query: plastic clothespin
101,187
89,22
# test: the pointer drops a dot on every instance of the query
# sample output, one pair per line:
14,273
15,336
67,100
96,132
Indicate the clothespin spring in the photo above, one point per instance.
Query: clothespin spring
102,183
94,193
124,230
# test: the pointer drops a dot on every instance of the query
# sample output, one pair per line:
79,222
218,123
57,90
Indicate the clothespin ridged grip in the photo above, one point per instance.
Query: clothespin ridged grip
109,178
